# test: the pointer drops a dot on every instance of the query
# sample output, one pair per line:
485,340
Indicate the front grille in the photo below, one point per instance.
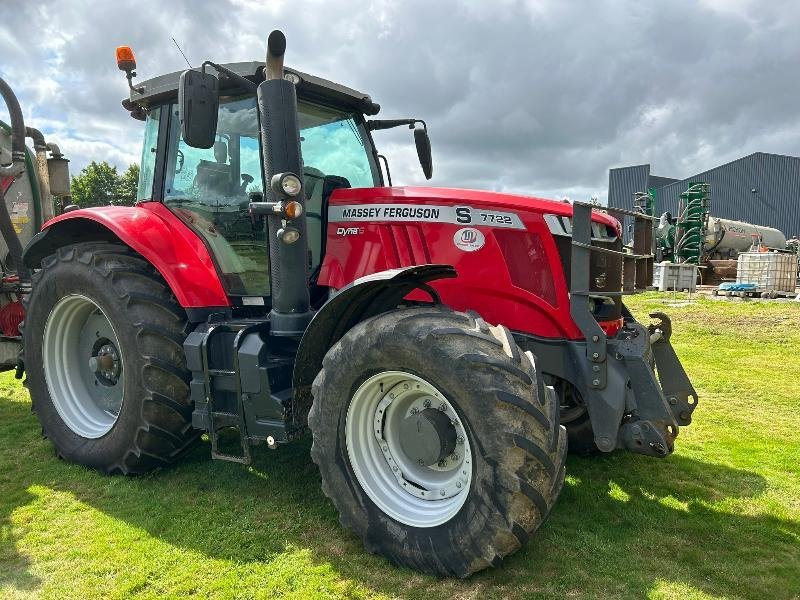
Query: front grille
605,268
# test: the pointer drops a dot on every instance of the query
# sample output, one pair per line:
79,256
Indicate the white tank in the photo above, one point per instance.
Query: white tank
723,235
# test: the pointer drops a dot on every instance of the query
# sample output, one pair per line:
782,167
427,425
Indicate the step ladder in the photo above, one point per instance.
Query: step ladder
219,420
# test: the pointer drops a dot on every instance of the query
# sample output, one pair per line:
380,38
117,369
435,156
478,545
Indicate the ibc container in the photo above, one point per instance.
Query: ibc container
669,276
770,271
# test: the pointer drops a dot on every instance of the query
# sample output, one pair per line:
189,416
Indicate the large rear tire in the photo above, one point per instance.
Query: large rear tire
502,450
104,360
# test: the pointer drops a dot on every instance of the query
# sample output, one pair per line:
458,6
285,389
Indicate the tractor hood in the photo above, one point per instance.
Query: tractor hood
475,198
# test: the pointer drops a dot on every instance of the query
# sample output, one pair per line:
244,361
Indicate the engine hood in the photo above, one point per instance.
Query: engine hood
477,198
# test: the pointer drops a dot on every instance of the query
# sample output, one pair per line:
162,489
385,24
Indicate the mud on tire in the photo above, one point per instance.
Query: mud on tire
153,427
510,418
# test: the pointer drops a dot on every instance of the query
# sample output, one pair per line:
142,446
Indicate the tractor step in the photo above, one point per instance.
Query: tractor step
234,372
224,421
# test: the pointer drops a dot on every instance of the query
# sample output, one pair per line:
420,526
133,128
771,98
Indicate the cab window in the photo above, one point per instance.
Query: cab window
208,189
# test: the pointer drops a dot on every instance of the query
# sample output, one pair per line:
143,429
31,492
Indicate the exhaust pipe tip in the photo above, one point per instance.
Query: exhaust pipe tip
276,47
276,43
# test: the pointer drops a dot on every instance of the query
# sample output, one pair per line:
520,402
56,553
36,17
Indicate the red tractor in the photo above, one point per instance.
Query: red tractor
442,345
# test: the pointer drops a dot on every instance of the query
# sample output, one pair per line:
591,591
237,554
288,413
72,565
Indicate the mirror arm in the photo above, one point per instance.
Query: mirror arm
242,81
376,124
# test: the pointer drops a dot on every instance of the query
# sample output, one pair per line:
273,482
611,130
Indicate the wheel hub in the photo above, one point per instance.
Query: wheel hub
105,363
427,436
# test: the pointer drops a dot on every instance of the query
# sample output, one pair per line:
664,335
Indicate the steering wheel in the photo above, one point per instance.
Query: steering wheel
246,180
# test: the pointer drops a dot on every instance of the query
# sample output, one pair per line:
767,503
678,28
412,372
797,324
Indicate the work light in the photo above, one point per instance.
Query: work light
286,183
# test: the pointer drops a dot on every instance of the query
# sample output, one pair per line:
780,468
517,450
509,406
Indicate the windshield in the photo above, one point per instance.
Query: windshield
208,188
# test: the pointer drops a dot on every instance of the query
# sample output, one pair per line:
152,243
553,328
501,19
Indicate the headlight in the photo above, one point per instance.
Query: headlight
286,183
288,235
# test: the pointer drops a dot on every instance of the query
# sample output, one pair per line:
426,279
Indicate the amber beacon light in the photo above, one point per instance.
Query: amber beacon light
125,59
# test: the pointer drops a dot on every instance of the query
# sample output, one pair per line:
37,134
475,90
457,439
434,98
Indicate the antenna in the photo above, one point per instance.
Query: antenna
182,54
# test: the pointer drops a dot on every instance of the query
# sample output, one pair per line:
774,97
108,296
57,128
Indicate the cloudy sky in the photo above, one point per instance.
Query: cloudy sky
532,96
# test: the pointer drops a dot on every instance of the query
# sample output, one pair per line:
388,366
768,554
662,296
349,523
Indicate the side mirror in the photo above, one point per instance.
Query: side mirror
198,99
423,144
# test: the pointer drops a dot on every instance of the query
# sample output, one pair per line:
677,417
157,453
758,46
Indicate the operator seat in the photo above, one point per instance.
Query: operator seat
215,176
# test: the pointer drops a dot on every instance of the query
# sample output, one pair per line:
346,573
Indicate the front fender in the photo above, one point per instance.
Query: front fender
150,229
363,298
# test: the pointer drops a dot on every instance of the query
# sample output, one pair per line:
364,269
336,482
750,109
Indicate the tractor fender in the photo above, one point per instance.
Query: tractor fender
152,230
363,298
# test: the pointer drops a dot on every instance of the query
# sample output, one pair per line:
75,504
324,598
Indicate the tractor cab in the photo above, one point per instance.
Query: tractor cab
210,189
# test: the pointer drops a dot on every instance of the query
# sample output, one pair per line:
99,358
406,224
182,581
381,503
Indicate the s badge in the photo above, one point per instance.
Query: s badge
469,239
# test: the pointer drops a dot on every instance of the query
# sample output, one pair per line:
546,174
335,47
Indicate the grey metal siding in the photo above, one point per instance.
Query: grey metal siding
624,182
657,181
774,203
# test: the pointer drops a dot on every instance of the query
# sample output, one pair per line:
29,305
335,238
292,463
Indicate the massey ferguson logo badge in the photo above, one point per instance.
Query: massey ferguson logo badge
344,231
469,239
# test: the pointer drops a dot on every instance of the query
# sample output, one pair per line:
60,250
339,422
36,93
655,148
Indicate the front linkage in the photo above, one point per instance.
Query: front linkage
635,378
633,386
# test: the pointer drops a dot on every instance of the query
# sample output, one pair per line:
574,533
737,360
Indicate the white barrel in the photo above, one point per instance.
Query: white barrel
738,236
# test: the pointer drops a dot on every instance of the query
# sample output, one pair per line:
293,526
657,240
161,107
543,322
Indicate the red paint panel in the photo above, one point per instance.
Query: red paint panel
168,244
515,279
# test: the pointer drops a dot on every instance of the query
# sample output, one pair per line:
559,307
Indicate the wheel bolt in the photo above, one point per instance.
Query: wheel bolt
394,468
384,448
458,484
442,492
414,410
442,463
427,403
443,407
460,439
455,456
421,462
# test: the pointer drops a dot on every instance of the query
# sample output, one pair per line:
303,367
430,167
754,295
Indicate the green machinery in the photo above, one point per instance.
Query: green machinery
693,208
645,202
679,240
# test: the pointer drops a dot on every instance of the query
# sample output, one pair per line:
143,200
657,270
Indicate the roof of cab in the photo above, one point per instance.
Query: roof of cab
165,87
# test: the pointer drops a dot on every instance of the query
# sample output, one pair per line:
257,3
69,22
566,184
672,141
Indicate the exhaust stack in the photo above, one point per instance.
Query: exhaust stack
281,157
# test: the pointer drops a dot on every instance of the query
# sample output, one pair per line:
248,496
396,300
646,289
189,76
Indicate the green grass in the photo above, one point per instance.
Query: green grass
719,518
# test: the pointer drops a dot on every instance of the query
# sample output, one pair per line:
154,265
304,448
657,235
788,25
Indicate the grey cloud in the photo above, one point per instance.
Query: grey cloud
531,96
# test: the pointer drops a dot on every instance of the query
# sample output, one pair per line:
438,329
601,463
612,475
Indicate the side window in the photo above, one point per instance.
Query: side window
207,188
148,163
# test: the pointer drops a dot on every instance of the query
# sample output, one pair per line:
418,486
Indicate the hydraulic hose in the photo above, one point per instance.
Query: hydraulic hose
17,123
17,166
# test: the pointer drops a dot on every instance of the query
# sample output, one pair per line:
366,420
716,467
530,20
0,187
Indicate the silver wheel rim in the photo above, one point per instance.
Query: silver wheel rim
416,495
83,366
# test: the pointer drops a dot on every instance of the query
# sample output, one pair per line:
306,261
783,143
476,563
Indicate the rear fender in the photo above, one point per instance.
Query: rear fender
150,229
363,298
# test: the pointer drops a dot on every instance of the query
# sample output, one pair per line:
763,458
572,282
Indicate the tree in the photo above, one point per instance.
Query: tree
99,184
96,185
127,186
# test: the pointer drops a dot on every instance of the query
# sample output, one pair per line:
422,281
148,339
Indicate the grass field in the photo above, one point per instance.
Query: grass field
719,518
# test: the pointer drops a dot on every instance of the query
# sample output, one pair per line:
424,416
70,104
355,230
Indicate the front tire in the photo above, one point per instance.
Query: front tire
575,418
501,465
104,360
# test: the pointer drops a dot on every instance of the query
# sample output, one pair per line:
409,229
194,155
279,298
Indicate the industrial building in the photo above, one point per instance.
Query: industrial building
761,188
